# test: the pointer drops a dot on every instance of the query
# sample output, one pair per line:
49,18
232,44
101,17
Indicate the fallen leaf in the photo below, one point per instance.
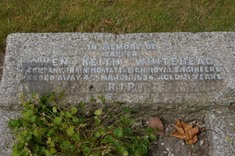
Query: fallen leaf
192,140
185,131
108,22
178,135
17,17
156,123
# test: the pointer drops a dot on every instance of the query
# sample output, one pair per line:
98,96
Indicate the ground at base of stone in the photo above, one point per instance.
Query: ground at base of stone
170,146
218,139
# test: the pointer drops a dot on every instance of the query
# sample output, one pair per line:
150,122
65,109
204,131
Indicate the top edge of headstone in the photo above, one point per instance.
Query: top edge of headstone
19,35
113,34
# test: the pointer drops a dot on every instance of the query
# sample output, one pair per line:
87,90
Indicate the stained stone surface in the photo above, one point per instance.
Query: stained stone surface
150,68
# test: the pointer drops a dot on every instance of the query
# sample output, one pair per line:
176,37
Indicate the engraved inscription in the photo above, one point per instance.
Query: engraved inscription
122,68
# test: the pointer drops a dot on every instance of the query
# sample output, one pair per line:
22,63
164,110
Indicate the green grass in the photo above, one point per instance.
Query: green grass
116,16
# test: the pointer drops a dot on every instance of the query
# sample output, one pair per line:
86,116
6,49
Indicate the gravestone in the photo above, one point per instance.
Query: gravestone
157,68
168,72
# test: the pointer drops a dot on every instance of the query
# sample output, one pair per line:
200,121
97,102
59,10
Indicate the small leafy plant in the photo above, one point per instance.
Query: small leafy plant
46,128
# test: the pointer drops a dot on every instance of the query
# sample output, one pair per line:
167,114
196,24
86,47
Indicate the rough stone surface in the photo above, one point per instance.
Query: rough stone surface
221,132
154,68
6,138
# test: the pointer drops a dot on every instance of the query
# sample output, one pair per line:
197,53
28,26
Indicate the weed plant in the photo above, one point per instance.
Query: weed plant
45,128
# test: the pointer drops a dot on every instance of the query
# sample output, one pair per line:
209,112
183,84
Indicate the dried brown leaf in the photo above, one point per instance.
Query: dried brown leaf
192,140
180,129
192,132
156,123
178,135
185,131
109,22
186,126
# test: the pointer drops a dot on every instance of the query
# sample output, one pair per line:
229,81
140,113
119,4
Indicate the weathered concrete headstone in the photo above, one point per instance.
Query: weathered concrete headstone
168,72
134,68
